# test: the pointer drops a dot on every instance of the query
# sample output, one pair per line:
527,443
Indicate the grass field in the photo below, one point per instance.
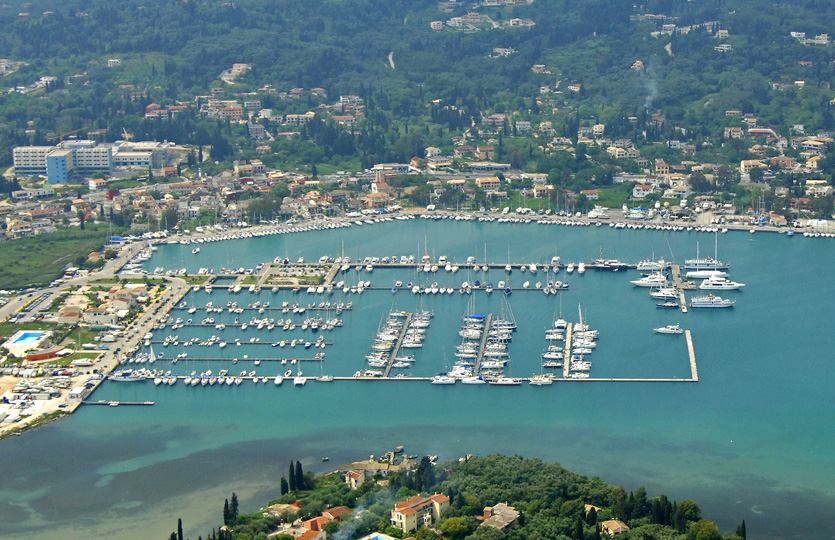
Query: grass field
40,259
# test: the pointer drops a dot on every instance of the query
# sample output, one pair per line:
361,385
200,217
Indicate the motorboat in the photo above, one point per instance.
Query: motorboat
669,329
649,265
667,304
665,293
720,283
711,301
443,379
705,274
656,279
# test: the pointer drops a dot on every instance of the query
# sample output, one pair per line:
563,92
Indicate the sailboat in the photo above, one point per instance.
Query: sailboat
322,377
709,264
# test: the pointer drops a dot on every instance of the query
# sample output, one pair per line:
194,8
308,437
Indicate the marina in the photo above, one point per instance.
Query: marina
628,360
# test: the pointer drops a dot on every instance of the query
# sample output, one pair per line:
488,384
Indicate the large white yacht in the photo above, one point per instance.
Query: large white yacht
656,279
720,283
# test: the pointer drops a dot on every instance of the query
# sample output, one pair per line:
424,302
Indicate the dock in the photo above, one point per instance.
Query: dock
234,361
483,345
681,285
397,345
694,370
566,366
117,403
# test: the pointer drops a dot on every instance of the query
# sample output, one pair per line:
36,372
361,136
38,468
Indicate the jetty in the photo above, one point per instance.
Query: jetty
117,403
566,366
484,337
398,344
694,370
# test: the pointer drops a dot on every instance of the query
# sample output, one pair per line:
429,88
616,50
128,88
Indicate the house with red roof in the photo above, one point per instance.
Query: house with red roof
418,511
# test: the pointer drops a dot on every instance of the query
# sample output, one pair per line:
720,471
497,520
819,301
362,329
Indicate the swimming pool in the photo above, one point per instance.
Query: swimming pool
28,338
25,340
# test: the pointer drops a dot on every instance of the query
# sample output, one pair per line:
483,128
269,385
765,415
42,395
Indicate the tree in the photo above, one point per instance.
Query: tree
285,488
331,527
233,507
740,531
179,529
292,476
299,476
456,528
617,500
424,474
82,217
591,517
705,530
226,514
577,533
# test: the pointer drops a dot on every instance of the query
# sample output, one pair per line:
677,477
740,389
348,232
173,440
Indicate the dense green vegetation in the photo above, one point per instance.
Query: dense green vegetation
552,502
176,50
37,260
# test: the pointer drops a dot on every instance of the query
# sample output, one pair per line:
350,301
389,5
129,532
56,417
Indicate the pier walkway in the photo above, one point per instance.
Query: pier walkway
397,345
483,345
694,370
566,366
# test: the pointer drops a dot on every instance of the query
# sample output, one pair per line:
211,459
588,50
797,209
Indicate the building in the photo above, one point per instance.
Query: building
613,527
29,194
257,131
60,166
418,511
591,194
642,190
500,516
488,183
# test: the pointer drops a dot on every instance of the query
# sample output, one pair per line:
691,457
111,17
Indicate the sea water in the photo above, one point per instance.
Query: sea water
749,441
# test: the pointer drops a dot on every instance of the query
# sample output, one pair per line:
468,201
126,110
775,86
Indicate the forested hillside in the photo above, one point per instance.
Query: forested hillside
599,61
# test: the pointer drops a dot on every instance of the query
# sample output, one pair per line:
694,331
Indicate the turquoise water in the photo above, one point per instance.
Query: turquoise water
749,441
28,338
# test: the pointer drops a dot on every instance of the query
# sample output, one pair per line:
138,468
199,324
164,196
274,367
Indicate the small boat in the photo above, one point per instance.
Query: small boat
669,329
668,304
326,459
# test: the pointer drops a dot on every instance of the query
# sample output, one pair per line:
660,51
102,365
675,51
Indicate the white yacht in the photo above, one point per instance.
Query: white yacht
720,283
711,301
669,329
541,380
443,379
704,274
656,279
650,265
665,292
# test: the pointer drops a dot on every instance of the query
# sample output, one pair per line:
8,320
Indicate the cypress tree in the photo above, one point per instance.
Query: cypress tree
740,531
173,536
292,476
285,488
300,484
180,529
226,512
578,529
591,517
233,507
